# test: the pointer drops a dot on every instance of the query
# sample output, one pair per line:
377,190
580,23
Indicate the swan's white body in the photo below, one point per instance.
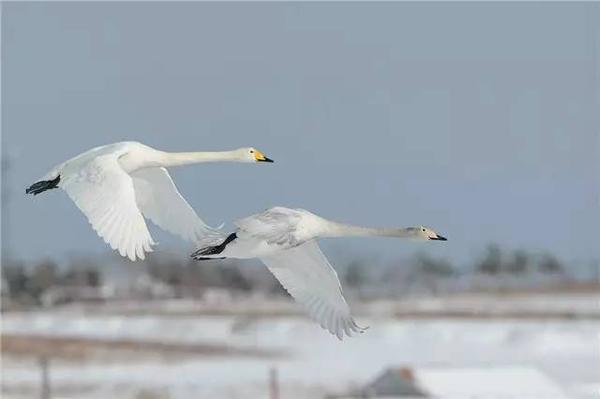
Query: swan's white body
117,185
285,240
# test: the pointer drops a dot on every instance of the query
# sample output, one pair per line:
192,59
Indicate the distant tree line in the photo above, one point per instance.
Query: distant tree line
519,261
35,285
28,284
189,276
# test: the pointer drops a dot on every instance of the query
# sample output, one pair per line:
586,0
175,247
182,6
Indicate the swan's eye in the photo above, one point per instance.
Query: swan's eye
423,230
251,151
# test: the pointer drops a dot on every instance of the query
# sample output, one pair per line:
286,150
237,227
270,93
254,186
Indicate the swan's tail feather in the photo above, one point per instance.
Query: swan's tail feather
205,251
42,185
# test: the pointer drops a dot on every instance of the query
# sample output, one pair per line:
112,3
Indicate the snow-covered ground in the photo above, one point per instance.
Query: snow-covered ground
312,363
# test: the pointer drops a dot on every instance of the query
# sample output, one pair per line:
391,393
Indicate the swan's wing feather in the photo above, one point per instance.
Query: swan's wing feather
309,278
160,201
275,226
103,191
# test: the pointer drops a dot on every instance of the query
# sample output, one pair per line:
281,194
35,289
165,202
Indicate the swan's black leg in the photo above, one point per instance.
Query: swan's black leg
214,250
41,186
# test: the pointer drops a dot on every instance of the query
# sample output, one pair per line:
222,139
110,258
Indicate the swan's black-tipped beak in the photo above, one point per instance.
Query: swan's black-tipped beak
259,156
439,238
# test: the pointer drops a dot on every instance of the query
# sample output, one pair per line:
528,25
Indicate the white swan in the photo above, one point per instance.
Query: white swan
285,240
116,185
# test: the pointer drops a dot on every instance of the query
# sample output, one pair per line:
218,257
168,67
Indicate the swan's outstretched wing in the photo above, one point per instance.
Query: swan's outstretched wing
160,201
103,191
307,275
275,226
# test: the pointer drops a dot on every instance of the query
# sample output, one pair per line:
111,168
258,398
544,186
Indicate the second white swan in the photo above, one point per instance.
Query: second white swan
116,185
285,240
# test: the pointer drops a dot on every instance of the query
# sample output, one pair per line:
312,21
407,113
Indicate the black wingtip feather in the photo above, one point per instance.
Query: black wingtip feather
43,185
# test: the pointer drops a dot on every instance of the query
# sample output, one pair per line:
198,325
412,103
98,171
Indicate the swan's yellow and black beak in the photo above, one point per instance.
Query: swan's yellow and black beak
260,157
438,238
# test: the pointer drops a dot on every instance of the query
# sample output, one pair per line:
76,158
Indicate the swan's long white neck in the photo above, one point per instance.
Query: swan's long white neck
334,229
168,159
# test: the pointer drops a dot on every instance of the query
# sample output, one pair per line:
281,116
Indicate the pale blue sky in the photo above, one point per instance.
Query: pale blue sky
477,119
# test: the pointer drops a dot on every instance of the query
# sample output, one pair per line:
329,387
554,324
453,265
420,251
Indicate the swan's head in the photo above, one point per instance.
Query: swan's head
251,154
426,233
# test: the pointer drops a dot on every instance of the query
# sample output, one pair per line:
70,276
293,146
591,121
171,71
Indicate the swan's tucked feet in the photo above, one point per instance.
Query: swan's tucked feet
43,185
213,250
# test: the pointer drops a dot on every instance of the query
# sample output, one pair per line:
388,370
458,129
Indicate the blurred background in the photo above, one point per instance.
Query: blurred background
478,120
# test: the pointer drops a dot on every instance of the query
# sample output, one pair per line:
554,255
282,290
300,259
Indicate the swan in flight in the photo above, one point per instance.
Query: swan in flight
117,185
284,240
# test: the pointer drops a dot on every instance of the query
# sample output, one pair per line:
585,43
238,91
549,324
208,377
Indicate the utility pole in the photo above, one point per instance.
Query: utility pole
273,384
45,381
5,208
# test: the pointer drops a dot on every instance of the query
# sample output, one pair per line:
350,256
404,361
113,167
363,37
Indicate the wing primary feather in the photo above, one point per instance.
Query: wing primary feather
126,238
104,192
159,200
308,277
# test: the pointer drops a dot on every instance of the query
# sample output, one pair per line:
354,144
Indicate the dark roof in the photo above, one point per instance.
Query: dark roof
394,382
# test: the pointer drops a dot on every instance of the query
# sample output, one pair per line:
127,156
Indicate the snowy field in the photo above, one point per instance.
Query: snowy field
174,358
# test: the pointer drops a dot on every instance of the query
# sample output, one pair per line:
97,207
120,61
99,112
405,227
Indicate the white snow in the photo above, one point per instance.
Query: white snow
493,382
315,363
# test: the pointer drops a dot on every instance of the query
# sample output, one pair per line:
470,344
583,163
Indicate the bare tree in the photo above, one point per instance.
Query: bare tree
550,264
518,264
355,274
491,263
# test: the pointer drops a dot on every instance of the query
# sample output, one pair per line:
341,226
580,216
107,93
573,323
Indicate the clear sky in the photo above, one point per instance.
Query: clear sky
477,119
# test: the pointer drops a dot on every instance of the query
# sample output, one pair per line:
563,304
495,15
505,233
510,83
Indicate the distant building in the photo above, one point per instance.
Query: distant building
394,382
459,383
